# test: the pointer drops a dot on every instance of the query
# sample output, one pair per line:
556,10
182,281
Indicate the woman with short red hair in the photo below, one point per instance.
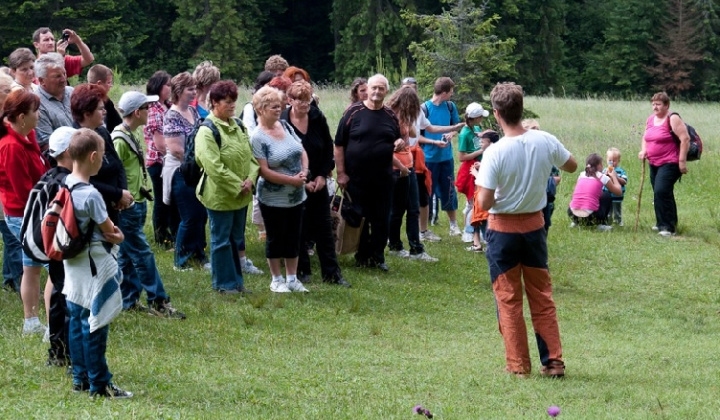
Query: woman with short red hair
23,164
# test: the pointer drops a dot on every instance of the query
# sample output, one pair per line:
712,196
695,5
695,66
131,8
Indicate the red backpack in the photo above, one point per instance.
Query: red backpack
62,237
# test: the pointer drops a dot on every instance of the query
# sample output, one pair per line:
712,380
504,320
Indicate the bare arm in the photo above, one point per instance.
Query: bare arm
570,165
469,156
613,185
486,198
85,53
112,233
680,130
175,146
439,129
278,178
342,178
159,140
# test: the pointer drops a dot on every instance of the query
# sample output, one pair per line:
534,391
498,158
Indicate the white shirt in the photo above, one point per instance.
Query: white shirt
517,169
421,123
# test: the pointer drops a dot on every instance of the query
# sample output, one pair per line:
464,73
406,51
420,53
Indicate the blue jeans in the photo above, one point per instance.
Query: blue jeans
14,224
87,350
443,183
136,260
190,241
12,257
227,231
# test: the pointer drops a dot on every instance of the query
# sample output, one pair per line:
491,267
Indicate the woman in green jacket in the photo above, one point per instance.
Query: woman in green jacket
230,172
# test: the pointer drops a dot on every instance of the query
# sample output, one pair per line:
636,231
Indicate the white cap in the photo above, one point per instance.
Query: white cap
60,140
475,110
132,100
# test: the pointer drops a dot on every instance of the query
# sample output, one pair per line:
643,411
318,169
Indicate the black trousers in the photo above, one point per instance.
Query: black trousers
282,227
663,179
317,227
58,316
375,198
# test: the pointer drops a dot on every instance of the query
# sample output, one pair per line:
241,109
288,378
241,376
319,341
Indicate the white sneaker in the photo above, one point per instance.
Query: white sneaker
572,224
423,256
429,236
455,231
604,228
249,268
467,237
279,286
655,228
666,233
46,337
34,328
402,253
207,266
296,286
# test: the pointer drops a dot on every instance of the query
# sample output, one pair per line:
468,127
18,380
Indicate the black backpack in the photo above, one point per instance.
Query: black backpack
696,145
190,170
37,205
450,106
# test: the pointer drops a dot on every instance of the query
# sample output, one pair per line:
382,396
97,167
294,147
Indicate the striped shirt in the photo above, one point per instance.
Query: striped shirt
52,114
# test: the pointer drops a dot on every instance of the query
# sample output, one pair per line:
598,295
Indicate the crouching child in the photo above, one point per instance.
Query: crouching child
92,282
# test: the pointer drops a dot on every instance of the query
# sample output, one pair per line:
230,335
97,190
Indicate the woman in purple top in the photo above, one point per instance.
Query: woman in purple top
668,160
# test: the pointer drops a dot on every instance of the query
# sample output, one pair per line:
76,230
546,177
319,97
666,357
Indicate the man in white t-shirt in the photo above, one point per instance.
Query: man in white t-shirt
513,179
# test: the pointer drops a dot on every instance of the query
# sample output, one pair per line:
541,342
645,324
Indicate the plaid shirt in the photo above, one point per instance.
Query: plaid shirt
155,121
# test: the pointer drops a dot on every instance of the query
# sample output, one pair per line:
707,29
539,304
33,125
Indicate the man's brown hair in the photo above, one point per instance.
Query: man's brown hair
443,85
507,99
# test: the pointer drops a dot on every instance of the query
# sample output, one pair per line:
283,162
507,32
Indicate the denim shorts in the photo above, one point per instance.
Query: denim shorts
15,224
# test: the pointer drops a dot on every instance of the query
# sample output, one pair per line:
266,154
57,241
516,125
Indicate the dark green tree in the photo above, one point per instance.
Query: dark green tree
460,43
226,32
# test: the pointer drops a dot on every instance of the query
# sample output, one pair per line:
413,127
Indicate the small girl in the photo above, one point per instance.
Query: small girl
587,207
469,152
478,216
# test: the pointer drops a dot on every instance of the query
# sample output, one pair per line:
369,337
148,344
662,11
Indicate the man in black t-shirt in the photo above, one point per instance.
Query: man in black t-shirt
364,144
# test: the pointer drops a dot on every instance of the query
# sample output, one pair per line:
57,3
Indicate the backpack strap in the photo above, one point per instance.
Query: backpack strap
672,133
129,138
424,108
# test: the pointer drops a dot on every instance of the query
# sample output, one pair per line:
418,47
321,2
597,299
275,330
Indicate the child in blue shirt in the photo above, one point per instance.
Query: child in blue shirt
613,160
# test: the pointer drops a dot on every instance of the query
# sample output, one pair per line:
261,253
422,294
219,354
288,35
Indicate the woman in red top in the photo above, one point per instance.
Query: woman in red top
668,160
22,165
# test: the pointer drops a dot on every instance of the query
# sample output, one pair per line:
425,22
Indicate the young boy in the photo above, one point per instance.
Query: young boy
137,260
92,286
613,160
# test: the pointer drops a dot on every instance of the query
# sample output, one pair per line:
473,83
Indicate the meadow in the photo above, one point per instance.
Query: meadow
638,316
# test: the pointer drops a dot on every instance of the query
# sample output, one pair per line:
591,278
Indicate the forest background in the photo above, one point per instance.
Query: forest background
613,48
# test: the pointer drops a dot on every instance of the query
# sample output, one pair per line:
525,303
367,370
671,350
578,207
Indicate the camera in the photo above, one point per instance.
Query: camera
146,194
65,36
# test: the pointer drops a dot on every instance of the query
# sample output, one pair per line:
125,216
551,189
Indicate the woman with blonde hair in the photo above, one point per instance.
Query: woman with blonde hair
205,75
281,188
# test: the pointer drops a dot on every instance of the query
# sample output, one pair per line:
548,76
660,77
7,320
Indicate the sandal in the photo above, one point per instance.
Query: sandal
473,248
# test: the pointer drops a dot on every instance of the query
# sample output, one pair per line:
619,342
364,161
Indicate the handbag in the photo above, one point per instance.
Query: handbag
347,223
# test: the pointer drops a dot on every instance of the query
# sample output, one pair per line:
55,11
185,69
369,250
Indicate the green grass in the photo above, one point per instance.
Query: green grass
638,318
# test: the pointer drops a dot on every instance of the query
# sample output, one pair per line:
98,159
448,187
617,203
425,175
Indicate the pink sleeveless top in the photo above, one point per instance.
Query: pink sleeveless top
660,146
587,193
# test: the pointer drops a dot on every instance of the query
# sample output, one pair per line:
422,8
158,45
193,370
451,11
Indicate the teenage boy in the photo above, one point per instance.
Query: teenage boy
91,278
102,76
513,180
136,259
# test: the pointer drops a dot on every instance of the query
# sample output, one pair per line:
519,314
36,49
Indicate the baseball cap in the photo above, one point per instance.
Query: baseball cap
132,100
60,140
409,81
475,110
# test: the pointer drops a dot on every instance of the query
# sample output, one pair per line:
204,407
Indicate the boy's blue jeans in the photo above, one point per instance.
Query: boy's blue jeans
87,350
137,261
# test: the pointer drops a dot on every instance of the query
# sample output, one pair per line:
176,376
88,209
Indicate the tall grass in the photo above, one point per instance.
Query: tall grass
638,318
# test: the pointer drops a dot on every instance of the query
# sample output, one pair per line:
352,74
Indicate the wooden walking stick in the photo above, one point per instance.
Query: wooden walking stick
642,182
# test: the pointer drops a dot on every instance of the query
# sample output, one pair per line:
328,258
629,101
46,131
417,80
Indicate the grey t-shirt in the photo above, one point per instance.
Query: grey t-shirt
283,156
88,204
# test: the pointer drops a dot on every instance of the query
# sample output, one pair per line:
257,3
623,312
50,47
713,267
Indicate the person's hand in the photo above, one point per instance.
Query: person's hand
299,179
73,37
447,137
310,186
126,200
441,143
400,144
404,171
342,180
683,167
642,155
114,237
319,183
61,47
246,187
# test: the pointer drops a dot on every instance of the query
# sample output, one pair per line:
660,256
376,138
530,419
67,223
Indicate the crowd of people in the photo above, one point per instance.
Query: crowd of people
391,153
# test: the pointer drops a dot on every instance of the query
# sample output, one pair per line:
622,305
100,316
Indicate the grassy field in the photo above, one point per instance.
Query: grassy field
638,316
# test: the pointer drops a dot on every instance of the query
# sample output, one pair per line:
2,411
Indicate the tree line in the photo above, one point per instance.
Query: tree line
619,48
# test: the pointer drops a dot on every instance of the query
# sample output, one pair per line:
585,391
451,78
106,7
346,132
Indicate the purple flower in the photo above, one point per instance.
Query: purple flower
428,414
553,411
418,409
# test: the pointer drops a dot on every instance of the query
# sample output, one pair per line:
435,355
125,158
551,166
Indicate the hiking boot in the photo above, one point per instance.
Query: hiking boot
165,309
111,391
554,369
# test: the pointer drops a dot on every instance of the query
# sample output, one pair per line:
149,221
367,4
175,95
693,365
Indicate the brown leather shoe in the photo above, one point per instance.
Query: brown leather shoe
554,369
